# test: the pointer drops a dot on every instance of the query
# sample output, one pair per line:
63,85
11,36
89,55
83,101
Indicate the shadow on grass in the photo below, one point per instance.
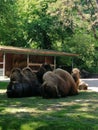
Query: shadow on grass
34,113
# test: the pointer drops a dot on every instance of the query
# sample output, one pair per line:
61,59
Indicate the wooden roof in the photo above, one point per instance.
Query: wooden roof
17,50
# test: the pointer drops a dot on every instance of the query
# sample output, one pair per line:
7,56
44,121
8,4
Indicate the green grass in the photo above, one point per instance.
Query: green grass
3,85
34,113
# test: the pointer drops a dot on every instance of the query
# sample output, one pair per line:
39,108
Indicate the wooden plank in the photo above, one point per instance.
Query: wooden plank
37,64
34,64
10,49
4,64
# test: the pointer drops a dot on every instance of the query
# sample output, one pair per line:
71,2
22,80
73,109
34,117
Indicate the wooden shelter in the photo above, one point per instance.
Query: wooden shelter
11,57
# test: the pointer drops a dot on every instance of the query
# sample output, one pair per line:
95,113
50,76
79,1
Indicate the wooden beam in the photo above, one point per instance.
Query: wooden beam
16,50
4,64
27,60
54,62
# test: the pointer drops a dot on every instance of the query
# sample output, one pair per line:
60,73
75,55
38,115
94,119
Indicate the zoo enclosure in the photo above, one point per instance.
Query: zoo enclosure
11,57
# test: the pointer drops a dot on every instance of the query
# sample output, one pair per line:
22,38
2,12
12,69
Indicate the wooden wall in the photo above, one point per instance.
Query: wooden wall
20,60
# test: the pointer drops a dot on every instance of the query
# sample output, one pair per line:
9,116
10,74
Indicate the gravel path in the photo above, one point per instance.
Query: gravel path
92,83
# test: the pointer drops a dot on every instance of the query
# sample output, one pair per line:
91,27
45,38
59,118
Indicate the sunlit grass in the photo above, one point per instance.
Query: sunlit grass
34,113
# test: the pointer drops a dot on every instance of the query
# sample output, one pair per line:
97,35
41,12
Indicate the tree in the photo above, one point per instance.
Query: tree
70,26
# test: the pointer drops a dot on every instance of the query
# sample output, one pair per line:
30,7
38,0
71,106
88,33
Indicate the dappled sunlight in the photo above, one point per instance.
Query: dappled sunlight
33,111
82,115
31,125
2,91
22,110
60,106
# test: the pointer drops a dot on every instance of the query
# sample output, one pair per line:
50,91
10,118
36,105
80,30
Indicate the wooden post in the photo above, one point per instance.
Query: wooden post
54,62
72,63
45,60
27,60
4,64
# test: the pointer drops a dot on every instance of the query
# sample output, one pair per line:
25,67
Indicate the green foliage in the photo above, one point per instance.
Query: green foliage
69,26
82,44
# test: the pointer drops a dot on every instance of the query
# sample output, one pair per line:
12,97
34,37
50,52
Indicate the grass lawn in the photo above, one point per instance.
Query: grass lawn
34,113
